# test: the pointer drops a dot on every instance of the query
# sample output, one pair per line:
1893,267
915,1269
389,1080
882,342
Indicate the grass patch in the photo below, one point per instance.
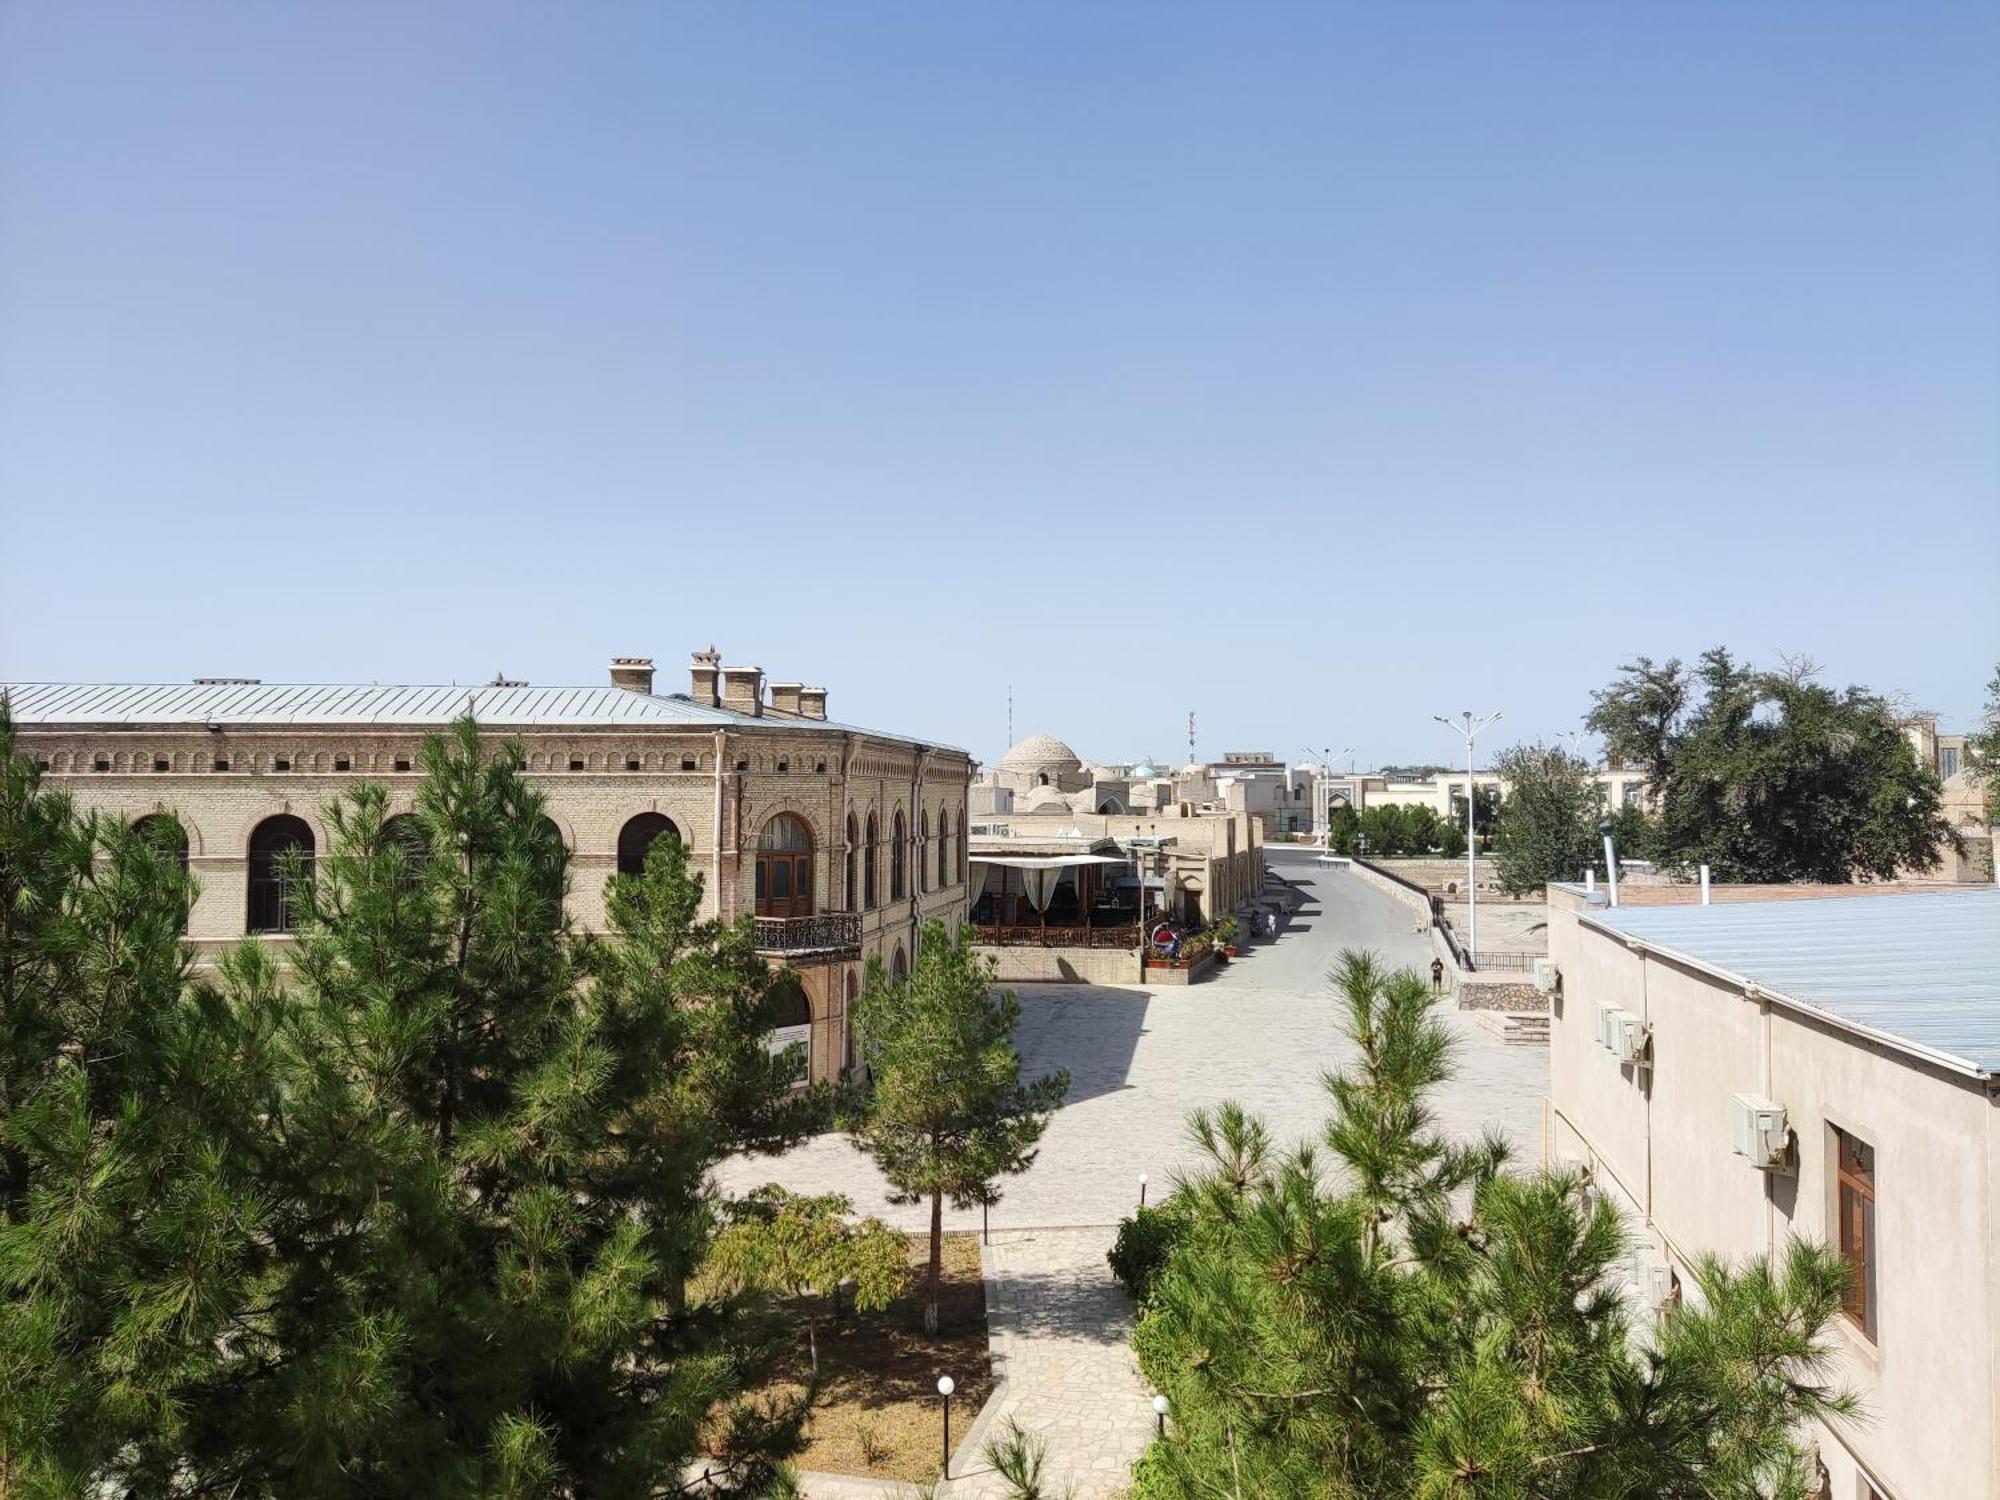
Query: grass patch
877,1412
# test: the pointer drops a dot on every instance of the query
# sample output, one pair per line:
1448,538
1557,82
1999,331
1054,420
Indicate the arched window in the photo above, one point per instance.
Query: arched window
405,833
272,897
784,868
923,851
944,850
899,967
871,865
635,840
963,840
849,890
899,859
164,833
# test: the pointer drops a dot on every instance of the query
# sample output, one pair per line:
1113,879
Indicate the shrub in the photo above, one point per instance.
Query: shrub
1144,1242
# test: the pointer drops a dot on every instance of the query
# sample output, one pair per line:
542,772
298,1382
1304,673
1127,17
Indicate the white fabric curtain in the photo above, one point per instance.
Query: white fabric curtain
1041,885
982,873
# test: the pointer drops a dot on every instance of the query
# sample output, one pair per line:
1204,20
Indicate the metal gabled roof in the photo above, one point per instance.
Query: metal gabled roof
1920,968
253,704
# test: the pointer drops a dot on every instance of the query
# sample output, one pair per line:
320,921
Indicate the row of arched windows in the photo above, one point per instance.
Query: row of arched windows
282,850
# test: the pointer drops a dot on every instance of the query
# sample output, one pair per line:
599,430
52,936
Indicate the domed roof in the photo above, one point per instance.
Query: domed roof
1143,773
1041,752
1045,799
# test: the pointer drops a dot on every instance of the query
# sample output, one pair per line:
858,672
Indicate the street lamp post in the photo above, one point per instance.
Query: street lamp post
945,1388
1469,727
1322,763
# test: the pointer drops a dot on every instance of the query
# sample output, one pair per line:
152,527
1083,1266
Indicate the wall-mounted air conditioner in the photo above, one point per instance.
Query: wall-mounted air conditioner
1758,1131
1547,979
1607,1024
1631,1038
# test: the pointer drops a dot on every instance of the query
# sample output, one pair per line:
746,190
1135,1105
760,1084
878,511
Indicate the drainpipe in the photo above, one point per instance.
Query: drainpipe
721,886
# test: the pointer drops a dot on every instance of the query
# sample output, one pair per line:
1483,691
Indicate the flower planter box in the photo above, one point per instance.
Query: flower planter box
1170,971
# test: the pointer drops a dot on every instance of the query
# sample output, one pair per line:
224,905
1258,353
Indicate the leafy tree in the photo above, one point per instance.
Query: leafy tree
407,1213
794,1244
1343,826
1451,840
948,1115
1982,750
1548,823
1410,1319
1770,776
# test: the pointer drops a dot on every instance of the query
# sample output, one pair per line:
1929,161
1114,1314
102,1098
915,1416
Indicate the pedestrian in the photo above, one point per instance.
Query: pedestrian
1437,975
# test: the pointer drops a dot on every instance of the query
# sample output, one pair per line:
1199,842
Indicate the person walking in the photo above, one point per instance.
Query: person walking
1437,976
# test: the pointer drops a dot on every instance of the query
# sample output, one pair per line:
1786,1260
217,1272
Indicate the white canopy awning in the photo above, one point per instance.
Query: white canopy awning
1046,861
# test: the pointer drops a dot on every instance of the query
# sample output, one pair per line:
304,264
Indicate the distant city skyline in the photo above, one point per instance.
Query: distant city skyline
1320,369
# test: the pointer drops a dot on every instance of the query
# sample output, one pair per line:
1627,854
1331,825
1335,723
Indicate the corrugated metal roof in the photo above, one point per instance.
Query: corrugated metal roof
1921,968
241,703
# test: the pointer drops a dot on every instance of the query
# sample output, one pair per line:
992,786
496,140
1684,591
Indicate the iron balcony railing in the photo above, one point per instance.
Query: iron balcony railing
833,934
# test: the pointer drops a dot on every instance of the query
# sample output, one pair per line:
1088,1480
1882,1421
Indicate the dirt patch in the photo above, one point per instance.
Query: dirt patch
878,1410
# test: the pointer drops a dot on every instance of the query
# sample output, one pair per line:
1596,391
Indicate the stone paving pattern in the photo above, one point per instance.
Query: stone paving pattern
1261,1032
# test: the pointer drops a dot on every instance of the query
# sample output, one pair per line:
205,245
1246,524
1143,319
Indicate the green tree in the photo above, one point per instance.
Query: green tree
1413,1320
1982,750
948,1115
1770,776
1547,829
793,1244
407,1212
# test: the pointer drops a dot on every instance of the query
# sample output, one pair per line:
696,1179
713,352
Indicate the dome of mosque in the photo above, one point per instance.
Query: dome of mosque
1041,752
1045,799
1143,773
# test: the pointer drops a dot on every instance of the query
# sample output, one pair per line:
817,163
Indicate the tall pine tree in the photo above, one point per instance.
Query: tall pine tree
1409,1319
948,1114
409,1210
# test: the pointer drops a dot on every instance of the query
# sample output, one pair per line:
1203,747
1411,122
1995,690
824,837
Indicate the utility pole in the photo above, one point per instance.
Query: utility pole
1468,726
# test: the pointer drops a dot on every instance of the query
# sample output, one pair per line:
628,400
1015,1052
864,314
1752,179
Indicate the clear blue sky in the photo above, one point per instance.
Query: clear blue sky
1146,356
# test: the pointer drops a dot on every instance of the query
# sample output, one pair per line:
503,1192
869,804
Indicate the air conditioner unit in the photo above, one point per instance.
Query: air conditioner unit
1607,1024
1631,1038
1758,1131
1547,979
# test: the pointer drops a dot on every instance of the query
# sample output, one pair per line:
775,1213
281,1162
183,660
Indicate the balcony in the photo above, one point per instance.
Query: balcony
823,936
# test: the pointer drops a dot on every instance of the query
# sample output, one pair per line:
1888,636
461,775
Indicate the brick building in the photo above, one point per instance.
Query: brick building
839,841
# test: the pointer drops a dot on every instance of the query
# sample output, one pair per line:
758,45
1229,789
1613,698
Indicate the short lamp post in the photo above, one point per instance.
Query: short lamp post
1142,1190
1160,1404
945,1388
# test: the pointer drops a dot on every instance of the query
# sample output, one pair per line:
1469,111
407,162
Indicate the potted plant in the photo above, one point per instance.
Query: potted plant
1226,930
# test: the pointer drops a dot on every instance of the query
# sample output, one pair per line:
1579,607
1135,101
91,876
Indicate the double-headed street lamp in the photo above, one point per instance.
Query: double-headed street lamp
1465,724
1322,764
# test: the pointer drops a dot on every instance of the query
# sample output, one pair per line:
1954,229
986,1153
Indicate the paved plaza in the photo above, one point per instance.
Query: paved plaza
1262,1031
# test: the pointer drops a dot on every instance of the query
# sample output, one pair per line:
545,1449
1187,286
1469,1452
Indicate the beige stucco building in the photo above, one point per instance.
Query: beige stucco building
1974,856
1819,1062
839,842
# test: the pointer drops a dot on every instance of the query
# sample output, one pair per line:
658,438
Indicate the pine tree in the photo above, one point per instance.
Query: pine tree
409,1212
1411,1319
948,1115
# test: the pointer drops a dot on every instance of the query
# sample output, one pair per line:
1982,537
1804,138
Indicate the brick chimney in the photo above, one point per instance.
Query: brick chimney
705,672
812,703
785,699
632,672
743,690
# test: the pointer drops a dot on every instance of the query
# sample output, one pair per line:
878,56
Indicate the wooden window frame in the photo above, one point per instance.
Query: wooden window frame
1855,1223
